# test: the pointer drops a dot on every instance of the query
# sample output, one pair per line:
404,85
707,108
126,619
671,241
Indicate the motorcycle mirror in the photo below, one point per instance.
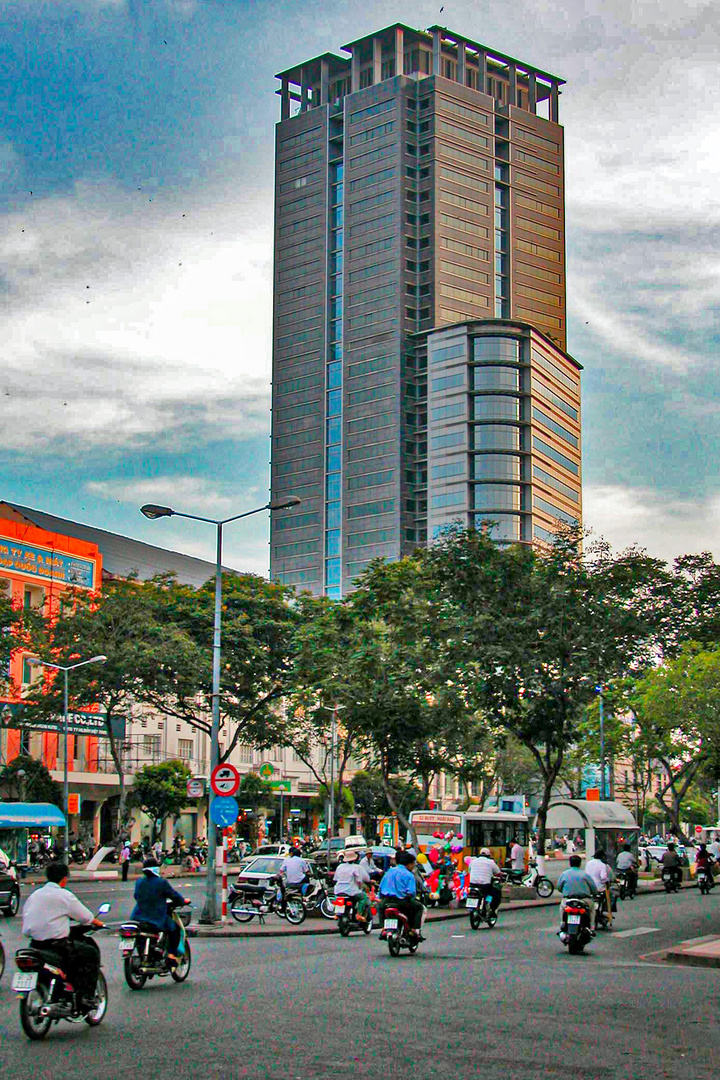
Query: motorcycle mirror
104,908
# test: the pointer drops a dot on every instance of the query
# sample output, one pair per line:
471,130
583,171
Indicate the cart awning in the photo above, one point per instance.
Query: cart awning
27,815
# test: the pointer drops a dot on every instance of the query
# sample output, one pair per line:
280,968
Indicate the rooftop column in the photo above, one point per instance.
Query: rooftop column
512,84
354,72
554,96
284,98
399,65
324,81
462,63
532,92
437,49
377,60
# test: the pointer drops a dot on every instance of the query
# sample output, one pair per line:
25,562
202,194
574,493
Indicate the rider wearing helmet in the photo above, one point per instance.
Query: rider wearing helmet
484,871
151,895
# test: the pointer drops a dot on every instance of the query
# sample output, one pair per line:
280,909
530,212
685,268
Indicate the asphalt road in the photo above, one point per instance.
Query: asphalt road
497,1004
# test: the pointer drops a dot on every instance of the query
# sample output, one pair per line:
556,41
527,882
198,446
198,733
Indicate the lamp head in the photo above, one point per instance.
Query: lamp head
151,511
284,502
98,659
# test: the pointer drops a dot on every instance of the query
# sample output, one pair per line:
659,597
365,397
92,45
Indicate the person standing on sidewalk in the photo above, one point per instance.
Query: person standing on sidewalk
125,859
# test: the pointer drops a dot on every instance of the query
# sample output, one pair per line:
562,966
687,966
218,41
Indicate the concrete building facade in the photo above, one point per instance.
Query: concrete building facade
419,186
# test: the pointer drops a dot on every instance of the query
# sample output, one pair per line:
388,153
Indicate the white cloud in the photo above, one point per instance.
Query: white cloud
666,526
132,319
190,494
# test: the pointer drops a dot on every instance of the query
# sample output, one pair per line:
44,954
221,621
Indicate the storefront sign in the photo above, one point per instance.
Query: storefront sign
281,785
266,770
15,715
43,564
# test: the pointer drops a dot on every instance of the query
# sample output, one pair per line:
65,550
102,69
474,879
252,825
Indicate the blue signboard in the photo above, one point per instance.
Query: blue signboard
45,565
224,811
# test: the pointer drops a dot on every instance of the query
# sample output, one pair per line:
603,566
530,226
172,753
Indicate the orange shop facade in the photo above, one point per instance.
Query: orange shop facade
39,569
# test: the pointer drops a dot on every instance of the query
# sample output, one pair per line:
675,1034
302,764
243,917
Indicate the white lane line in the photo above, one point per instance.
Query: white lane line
637,931
458,935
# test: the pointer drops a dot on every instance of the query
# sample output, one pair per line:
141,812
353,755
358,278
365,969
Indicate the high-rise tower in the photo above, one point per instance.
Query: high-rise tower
419,371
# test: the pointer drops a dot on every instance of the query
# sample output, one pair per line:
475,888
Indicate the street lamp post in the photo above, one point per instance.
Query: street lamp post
151,511
65,669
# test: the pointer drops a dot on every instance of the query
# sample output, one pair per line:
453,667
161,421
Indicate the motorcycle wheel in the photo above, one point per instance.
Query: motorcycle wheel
97,1015
327,909
240,915
181,972
475,919
412,949
35,1027
544,888
367,927
575,946
344,926
295,912
491,918
2,960
394,944
135,978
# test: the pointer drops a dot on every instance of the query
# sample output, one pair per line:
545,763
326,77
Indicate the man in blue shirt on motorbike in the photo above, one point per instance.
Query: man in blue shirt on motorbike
152,893
399,889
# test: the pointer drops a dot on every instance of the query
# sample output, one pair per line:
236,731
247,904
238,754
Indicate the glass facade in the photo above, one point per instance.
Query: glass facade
334,389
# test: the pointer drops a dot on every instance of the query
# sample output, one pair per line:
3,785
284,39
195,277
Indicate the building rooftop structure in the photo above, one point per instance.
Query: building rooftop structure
122,556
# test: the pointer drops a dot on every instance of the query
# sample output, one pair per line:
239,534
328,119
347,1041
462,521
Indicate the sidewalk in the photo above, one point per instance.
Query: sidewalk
696,952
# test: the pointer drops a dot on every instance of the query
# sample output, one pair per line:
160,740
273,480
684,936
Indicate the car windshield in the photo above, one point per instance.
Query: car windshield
264,865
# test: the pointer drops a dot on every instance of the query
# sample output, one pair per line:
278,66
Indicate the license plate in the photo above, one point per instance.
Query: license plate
391,924
574,920
339,905
23,981
473,901
126,946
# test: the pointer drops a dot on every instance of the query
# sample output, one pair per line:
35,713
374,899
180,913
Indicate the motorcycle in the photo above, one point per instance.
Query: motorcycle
670,880
77,854
531,879
704,880
2,959
346,914
603,920
317,899
576,929
396,931
244,908
627,886
47,996
480,905
144,950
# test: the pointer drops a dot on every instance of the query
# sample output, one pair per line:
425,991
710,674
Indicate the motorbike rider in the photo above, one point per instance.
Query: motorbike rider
398,889
576,884
294,873
151,895
704,861
671,861
369,865
485,871
626,862
46,921
351,879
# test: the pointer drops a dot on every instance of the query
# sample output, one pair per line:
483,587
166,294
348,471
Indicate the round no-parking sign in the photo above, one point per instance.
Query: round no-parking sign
225,779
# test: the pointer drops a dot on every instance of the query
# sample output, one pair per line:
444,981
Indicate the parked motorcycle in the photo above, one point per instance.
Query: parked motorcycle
145,950
77,854
531,879
244,907
317,899
480,905
396,931
346,914
670,880
576,928
45,993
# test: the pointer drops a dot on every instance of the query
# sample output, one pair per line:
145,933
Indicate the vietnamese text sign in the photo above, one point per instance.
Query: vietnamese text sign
281,785
44,564
224,811
14,715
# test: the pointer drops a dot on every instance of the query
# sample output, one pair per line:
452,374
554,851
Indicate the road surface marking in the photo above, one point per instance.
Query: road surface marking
458,935
637,931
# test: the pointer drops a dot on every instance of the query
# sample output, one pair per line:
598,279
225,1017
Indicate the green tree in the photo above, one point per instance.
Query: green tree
371,802
37,785
527,634
344,799
160,791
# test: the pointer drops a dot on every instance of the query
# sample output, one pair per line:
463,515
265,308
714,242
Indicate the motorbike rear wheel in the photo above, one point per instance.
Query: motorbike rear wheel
327,909
394,944
344,926
575,945
97,1015
491,918
475,919
2,960
135,978
35,1026
181,972
240,913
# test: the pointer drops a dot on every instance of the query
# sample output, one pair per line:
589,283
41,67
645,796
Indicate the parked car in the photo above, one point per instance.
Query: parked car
338,846
9,892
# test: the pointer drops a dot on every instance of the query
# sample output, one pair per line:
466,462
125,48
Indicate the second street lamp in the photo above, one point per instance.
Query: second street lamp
65,669
153,511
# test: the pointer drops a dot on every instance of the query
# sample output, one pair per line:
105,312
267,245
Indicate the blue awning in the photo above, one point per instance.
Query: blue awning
30,815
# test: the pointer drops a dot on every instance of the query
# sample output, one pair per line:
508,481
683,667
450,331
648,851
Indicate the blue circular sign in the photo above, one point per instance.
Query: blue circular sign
224,810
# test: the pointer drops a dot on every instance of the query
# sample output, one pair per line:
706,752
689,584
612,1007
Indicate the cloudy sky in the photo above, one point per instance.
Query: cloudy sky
135,250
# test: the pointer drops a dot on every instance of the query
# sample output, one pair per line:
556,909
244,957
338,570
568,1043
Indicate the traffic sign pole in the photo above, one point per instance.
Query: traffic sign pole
224,875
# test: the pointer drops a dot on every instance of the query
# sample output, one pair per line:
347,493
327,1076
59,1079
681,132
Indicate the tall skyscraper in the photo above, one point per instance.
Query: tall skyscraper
419,365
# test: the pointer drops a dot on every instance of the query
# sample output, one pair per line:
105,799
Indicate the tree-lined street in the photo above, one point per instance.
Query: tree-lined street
499,1003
